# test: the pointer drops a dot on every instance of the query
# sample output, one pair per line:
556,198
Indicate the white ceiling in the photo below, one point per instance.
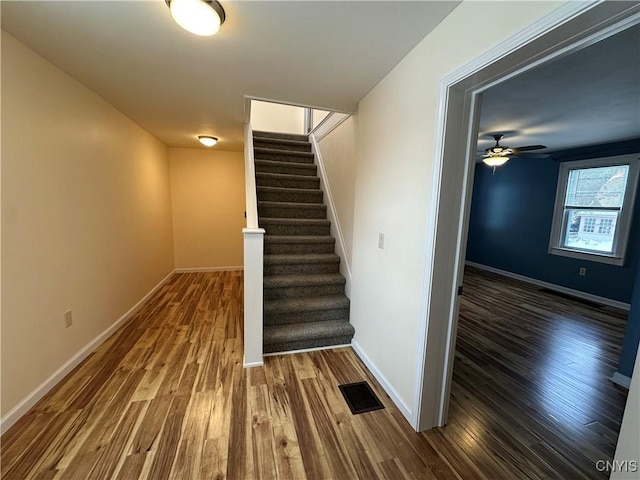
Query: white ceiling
589,97
176,85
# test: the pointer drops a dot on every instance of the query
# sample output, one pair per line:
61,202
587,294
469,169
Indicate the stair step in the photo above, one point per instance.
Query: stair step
301,263
303,285
288,168
281,144
293,195
305,309
282,155
280,338
292,210
283,180
298,244
280,136
295,226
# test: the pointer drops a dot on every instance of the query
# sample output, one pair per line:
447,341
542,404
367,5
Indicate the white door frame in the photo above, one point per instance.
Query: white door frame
572,26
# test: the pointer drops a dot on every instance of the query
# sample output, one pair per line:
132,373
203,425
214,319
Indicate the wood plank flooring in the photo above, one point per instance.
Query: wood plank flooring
166,397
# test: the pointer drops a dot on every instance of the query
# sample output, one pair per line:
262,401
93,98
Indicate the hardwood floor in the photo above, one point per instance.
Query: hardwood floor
167,398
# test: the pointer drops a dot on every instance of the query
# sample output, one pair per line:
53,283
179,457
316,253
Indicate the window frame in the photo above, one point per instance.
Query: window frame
623,223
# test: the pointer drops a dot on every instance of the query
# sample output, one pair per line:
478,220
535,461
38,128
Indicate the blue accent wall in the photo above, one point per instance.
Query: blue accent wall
510,225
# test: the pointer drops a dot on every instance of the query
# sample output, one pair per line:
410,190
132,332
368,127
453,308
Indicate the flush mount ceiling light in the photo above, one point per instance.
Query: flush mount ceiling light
207,140
201,17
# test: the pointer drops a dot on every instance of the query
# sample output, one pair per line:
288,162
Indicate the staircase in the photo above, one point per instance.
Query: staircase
304,301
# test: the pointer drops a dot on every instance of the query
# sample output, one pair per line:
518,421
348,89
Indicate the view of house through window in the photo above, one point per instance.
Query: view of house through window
594,207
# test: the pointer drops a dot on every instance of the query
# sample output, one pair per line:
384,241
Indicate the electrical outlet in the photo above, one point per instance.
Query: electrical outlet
583,271
68,319
381,240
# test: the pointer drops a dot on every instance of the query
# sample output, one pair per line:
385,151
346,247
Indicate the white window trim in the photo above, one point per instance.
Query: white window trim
621,239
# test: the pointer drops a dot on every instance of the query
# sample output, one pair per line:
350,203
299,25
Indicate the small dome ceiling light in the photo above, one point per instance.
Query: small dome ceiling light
200,17
207,140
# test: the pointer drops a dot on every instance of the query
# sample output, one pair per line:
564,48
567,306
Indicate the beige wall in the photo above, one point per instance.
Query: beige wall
338,150
395,145
275,117
207,193
86,218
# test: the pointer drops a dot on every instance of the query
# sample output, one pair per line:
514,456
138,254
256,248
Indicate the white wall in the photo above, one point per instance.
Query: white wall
207,197
338,150
86,218
275,117
628,448
395,145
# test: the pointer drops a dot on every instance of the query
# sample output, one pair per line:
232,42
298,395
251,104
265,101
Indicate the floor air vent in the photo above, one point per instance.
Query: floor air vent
360,397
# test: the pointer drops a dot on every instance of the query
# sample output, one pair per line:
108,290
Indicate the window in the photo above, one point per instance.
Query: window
594,206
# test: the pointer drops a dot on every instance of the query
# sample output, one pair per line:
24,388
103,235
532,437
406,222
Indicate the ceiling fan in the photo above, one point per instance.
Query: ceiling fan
500,154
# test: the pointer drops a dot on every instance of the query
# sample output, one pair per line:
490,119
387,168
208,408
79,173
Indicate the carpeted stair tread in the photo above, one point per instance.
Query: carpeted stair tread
283,155
276,281
293,195
306,304
280,136
292,210
296,221
309,263
307,335
295,226
287,168
284,180
301,259
299,239
282,144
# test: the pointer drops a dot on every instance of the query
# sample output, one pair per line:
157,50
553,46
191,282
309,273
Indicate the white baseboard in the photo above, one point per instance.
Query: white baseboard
251,364
558,288
208,269
621,380
30,400
383,382
332,215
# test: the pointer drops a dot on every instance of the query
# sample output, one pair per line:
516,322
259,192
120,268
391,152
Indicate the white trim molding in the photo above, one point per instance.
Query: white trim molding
34,397
622,380
384,383
332,214
305,350
569,27
552,286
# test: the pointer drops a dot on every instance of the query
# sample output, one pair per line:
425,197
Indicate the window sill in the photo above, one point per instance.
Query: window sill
590,257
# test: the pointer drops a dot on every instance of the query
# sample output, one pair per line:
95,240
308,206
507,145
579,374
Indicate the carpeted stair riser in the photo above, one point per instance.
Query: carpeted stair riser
291,210
299,292
301,310
283,156
279,144
287,168
301,264
294,226
322,244
301,332
291,195
286,181
280,136
299,286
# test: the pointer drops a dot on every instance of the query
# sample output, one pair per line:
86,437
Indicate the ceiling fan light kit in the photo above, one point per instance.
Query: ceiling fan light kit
200,17
499,154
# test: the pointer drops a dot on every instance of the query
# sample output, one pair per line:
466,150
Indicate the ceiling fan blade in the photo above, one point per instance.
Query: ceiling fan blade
528,148
531,155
